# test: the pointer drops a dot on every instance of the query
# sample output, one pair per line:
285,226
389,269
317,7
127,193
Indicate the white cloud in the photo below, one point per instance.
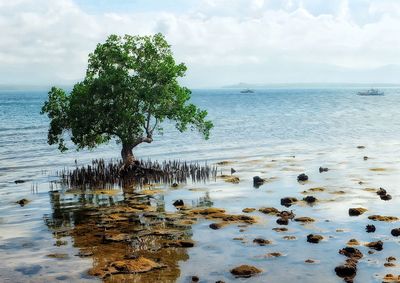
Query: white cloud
46,41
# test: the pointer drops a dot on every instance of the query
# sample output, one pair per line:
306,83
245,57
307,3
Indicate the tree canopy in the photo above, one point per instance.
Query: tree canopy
131,87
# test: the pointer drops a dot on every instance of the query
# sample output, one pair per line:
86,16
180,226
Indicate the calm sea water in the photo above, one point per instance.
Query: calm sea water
318,126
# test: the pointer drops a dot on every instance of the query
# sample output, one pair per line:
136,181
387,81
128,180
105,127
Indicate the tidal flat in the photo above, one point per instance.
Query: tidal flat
137,234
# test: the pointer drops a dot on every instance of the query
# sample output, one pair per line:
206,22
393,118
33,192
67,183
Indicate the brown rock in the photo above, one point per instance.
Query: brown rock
357,211
304,219
245,271
378,245
315,239
351,252
280,229
347,270
248,210
179,244
23,202
353,242
383,218
261,241
269,210
288,201
282,221
216,226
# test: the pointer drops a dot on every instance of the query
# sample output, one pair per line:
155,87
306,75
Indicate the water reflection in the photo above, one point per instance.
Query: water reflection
122,229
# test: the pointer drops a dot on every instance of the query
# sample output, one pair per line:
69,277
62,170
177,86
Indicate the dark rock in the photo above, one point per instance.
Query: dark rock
378,245
381,192
395,232
356,211
216,226
386,197
23,202
179,202
347,270
261,241
258,181
315,239
195,279
219,281
282,221
365,157
322,169
371,228
302,177
269,210
288,201
175,185
245,271
19,181
233,171
351,252
286,214
310,199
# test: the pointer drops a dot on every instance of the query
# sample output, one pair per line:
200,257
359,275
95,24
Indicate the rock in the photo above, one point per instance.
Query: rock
365,157
208,211
179,202
371,228
233,171
261,241
381,192
360,147
304,219
351,252
348,270
19,181
231,179
391,278
378,245
245,271
195,279
248,210
268,210
386,197
302,177
395,232
310,199
322,169
258,181
23,202
282,221
391,258
389,264
357,211
289,238
219,281
280,229
118,237
353,242
288,201
309,261
286,214
179,244
273,254
174,185
216,226
383,218
315,239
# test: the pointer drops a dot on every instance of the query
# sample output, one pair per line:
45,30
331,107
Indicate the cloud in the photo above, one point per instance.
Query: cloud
222,42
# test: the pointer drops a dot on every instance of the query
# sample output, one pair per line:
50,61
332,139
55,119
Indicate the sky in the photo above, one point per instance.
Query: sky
223,42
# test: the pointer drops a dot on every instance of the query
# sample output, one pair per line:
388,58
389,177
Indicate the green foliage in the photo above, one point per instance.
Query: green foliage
131,87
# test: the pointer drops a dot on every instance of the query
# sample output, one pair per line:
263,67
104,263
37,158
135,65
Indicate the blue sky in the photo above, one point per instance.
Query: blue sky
221,41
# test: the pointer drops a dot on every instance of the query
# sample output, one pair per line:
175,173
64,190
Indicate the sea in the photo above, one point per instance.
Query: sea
276,132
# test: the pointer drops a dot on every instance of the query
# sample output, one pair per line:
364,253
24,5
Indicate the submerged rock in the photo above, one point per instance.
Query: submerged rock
302,177
383,218
288,201
370,228
231,179
282,221
280,229
19,181
216,226
269,210
22,202
248,210
353,242
179,202
357,211
245,271
322,169
195,279
304,219
315,239
378,245
386,197
179,244
261,241
258,181
395,232
310,199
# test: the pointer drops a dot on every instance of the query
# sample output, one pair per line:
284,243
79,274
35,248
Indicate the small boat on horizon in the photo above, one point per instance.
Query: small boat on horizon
371,92
247,91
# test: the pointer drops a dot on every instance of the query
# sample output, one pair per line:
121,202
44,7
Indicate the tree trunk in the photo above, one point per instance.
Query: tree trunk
127,154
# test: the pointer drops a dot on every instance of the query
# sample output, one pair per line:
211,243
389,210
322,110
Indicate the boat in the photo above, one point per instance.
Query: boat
247,91
371,92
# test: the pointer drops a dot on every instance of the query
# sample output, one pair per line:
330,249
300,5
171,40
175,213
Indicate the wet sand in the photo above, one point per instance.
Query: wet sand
64,234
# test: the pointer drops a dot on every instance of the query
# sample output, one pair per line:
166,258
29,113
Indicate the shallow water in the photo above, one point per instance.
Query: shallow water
259,133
